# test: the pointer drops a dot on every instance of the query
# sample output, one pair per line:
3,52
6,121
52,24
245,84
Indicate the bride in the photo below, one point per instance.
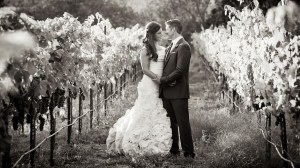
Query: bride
145,128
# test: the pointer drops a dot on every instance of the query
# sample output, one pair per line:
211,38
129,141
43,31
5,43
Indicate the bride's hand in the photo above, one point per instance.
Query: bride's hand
156,79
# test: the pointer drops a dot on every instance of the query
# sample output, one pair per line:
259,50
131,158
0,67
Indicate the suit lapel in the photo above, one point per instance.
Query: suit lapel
174,49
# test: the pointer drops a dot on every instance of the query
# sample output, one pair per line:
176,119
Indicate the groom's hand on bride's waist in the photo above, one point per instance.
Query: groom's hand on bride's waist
156,80
173,83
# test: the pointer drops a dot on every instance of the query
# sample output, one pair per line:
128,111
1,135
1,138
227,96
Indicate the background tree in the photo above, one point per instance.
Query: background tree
218,17
1,3
43,9
118,14
263,4
195,14
192,13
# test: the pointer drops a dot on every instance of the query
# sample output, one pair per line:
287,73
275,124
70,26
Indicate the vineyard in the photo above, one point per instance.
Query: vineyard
60,59
68,81
257,57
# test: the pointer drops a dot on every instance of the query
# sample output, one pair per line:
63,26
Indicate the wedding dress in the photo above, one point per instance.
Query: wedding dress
145,128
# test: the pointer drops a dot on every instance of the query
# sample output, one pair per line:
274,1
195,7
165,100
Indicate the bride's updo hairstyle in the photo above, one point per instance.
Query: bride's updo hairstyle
151,29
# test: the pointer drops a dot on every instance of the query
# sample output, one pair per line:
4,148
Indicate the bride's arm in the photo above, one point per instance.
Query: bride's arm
145,62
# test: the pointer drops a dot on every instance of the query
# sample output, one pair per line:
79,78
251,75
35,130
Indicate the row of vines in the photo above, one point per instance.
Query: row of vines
44,62
259,56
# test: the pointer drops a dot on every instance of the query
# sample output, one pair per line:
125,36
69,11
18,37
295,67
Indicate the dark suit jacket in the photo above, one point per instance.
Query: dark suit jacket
176,68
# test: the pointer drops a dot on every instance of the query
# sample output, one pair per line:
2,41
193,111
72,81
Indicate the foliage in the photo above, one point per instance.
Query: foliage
192,13
257,59
198,15
69,55
206,114
195,15
43,9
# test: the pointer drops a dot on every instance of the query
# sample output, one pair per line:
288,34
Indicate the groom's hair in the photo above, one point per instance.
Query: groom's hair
175,23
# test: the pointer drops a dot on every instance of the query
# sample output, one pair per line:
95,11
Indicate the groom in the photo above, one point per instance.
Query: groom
174,88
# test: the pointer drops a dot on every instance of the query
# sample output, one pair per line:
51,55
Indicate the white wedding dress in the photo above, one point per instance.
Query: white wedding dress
145,128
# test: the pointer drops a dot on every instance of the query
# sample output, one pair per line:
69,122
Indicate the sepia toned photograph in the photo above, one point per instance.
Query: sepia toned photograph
149,83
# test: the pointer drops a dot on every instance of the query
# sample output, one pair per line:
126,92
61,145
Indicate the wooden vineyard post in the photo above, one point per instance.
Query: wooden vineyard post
268,130
126,76
283,138
140,69
121,83
32,134
105,98
52,131
234,94
134,72
259,118
116,86
22,113
91,108
131,73
99,89
6,160
224,86
80,111
111,91
251,79
69,116
229,99
222,82
124,80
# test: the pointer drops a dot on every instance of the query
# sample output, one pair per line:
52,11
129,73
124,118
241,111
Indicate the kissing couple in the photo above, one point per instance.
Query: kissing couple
160,113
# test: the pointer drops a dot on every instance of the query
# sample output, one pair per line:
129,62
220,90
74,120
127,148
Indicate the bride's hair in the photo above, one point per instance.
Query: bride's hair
151,29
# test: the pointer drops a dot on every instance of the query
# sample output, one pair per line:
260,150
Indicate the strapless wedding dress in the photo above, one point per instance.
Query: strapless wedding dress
145,128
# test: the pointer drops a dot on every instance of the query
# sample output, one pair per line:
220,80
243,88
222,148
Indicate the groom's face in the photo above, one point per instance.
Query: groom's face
169,32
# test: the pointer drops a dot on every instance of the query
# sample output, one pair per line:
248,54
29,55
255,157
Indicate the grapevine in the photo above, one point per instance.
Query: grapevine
260,58
61,54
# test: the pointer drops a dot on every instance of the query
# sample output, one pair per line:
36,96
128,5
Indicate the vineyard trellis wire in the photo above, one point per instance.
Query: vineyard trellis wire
267,137
260,60
69,54
118,90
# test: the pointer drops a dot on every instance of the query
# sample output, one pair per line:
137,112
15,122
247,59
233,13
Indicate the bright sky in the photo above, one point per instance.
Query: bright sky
138,5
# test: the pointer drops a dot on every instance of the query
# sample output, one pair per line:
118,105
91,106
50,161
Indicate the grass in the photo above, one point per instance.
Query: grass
222,139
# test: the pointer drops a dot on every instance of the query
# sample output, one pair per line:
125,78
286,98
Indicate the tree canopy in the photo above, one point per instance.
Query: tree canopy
195,15
42,9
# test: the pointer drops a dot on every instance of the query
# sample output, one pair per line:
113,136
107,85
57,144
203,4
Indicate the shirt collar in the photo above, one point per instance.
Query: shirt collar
175,41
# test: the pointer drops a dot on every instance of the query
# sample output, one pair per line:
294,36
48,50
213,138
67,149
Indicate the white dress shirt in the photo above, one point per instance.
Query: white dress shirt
175,41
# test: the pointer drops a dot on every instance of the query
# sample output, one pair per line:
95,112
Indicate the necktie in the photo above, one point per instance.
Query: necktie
168,50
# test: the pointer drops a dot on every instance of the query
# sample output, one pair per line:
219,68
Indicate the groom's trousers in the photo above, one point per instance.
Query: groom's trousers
177,110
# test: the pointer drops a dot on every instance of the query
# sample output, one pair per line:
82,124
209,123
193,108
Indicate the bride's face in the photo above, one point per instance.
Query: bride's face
158,35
